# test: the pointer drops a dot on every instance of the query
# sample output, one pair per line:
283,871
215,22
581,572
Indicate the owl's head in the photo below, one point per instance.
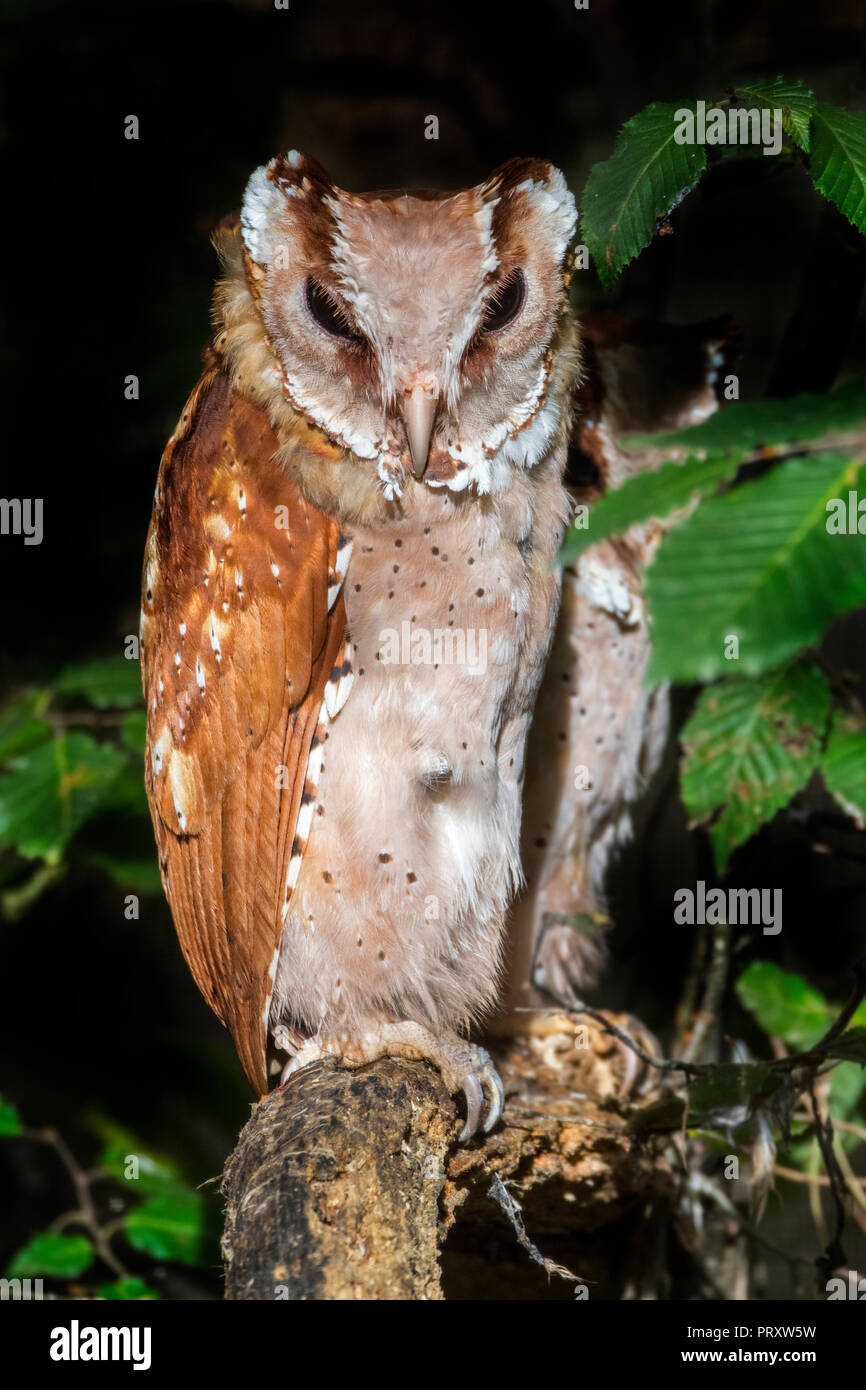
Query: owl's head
419,331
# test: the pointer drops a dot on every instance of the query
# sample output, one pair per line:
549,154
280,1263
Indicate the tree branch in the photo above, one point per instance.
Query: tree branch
348,1184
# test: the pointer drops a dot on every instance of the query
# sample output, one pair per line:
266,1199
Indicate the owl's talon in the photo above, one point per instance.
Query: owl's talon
463,1067
304,1057
474,1094
497,1099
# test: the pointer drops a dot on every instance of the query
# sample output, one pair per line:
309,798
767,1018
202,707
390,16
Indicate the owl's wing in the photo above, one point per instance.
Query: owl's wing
243,638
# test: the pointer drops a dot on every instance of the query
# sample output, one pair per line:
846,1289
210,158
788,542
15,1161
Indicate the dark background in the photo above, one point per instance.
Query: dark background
109,272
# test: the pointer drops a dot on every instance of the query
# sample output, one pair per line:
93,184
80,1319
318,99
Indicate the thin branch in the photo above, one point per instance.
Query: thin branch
834,1254
500,1194
85,1214
813,1058
714,988
818,1179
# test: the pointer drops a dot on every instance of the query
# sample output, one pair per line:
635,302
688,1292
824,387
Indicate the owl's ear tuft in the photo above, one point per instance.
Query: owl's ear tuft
531,193
288,176
259,212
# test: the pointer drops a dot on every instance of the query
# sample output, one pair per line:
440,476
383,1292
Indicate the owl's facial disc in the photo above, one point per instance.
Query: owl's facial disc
422,400
416,330
331,313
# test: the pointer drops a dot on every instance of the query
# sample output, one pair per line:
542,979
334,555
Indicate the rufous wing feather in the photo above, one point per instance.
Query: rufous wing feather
239,638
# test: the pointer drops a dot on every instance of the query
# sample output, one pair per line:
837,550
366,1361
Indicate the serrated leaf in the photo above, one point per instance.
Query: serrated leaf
748,747
50,792
794,98
112,682
742,427
837,160
843,765
128,1289
171,1226
645,178
56,1255
758,565
784,1004
647,496
10,1120
717,446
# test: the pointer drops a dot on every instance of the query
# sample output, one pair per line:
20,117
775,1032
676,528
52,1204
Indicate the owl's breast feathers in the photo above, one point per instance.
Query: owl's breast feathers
243,638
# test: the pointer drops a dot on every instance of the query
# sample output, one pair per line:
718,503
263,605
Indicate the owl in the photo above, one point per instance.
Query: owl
599,733
349,595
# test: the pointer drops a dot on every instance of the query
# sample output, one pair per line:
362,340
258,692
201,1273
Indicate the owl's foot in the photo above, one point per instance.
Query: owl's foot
569,954
463,1067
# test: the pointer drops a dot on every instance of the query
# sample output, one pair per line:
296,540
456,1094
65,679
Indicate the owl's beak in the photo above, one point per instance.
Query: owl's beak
419,411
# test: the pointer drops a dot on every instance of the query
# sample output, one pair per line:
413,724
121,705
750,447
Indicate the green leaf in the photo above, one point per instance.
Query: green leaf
21,730
847,1085
749,746
784,1005
10,1120
17,900
137,875
645,178
171,1226
110,683
744,426
649,495
127,793
717,445
134,731
174,1222
56,1255
795,99
843,765
850,1047
716,1096
151,1174
50,792
837,161
127,1289
758,565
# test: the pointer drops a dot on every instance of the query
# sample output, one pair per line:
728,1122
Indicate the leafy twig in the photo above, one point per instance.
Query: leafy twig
85,1213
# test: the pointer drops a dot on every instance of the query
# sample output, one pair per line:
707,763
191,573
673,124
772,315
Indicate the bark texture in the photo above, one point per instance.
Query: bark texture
348,1184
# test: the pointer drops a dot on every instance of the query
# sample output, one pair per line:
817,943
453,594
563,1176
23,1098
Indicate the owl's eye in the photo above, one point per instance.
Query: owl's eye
330,313
505,303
